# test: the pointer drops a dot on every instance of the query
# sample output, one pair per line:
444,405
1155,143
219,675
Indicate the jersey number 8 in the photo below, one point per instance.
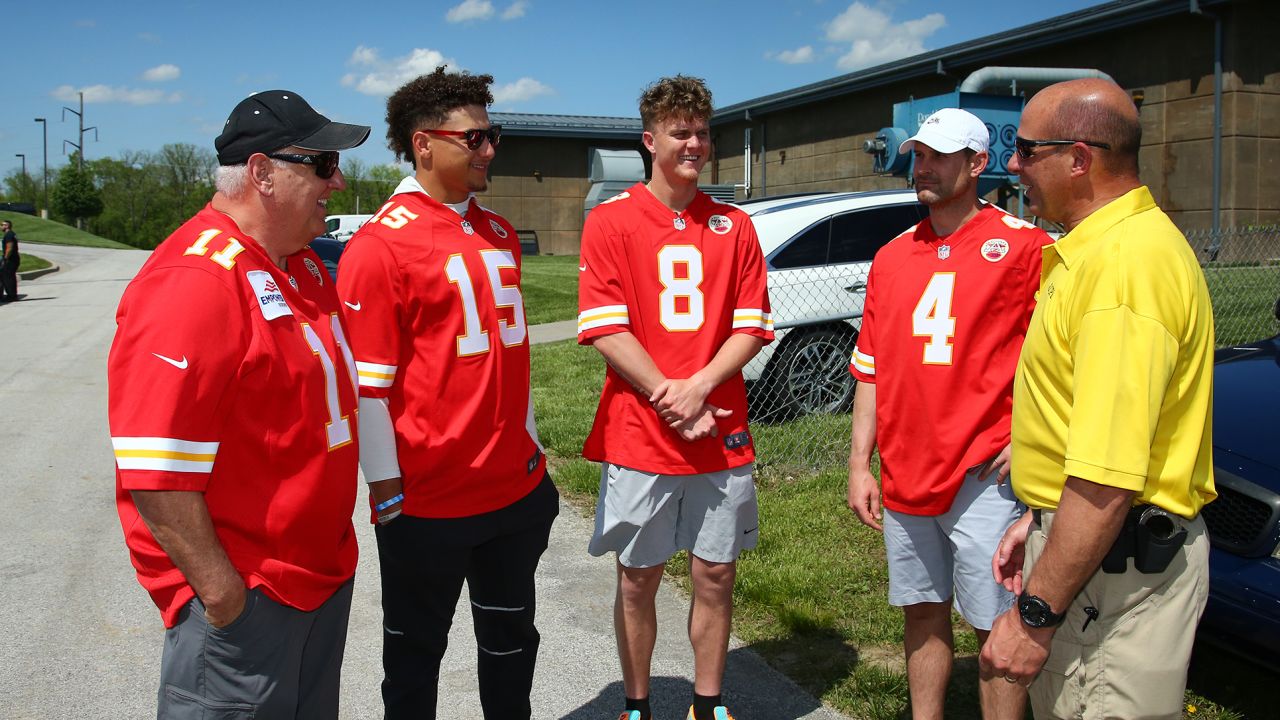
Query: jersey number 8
680,271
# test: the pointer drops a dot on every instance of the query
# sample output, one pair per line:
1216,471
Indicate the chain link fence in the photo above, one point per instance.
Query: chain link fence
800,388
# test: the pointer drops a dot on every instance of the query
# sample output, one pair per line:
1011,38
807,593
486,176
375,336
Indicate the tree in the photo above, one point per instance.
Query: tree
74,195
21,187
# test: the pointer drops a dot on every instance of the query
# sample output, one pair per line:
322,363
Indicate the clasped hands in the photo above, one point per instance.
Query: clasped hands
682,405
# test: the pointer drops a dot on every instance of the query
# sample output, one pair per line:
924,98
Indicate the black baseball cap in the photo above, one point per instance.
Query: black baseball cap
274,119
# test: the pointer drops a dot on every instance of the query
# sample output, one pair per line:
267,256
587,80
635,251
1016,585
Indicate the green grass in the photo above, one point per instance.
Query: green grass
36,231
1243,299
811,598
31,262
550,287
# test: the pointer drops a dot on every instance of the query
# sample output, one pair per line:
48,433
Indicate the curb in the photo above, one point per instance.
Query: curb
33,274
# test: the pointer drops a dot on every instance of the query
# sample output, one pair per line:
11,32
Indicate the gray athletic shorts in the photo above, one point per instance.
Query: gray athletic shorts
934,558
271,662
646,518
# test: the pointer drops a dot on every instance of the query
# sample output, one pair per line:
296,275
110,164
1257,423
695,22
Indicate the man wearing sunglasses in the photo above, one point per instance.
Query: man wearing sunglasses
233,419
947,305
1112,437
458,481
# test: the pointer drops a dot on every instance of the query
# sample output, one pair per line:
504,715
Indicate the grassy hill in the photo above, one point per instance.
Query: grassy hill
34,231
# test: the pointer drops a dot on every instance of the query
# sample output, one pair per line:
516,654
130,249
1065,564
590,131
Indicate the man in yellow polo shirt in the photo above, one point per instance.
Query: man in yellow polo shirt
1111,428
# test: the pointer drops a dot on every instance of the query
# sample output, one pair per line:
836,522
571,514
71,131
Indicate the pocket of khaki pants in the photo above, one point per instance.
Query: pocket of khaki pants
179,704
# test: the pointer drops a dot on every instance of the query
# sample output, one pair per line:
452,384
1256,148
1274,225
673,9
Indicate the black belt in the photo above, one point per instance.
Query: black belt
1150,535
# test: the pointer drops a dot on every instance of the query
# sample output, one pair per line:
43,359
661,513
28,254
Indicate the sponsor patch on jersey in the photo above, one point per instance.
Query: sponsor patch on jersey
315,271
719,224
995,249
498,229
270,299
737,440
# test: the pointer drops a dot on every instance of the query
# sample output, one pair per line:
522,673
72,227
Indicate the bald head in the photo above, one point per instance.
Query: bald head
1095,110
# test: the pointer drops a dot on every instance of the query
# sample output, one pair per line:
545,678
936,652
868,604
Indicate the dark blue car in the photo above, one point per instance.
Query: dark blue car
1243,615
329,251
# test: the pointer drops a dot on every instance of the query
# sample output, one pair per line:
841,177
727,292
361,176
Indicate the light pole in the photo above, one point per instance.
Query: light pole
24,166
44,125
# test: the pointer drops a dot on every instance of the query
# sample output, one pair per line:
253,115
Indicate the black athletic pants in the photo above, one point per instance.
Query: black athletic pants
424,562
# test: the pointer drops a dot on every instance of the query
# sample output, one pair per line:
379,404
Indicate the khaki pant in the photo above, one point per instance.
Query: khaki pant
1131,662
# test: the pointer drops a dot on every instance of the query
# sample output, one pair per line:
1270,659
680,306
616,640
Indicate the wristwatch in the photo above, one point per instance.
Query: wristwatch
1036,612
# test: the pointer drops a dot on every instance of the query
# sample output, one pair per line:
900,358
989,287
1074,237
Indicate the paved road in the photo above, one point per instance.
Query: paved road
79,638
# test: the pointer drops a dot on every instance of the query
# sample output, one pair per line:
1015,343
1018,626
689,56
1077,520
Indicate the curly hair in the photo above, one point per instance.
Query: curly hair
426,102
681,96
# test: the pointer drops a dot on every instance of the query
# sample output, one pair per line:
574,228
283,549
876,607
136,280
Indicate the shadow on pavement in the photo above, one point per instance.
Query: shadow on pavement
670,697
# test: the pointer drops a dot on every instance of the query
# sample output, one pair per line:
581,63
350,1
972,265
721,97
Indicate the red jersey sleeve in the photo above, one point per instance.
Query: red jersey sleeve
751,312
602,303
862,364
176,351
369,286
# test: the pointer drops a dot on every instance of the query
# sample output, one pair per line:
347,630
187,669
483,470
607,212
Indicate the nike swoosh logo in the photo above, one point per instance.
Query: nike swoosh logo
180,364
355,306
582,268
390,631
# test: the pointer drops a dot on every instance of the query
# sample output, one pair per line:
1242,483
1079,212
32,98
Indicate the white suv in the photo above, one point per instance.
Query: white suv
819,249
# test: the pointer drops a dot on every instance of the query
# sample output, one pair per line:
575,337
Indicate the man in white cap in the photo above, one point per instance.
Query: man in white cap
947,306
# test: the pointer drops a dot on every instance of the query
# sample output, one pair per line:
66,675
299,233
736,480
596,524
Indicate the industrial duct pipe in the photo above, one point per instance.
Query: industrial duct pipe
1000,77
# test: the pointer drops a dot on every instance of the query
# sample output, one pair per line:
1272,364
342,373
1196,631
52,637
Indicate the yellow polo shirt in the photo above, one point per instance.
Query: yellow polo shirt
1115,381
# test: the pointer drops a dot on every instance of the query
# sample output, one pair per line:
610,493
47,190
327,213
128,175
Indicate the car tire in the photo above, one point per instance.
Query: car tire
809,374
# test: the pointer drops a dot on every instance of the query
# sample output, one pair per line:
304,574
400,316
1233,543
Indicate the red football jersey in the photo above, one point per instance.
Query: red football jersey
437,321
941,331
682,283
232,377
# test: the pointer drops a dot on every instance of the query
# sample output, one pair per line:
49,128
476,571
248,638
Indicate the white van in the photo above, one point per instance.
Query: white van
342,227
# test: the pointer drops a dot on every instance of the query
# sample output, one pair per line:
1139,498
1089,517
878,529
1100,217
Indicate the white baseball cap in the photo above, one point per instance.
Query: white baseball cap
950,130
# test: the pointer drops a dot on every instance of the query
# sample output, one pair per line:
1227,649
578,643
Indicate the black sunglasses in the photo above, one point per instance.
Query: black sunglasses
1025,146
326,163
473,137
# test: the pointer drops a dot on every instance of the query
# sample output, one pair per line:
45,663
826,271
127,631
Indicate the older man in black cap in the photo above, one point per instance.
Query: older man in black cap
233,419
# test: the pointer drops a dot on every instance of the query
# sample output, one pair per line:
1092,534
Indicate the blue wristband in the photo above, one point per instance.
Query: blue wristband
384,505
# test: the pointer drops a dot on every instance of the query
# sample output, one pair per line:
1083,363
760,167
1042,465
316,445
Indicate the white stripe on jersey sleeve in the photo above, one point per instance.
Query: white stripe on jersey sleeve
602,316
160,453
865,363
752,318
374,375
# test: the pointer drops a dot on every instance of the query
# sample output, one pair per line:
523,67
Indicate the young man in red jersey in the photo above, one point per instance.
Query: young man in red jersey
672,293
457,477
233,419
948,303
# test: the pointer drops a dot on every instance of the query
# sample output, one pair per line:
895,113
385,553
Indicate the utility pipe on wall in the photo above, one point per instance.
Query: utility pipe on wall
995,76
1217,110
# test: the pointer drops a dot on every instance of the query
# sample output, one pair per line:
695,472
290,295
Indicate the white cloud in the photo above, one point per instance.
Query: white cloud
107,94
793,57
516,10
520,91
470,10
380,77
874,38
161,73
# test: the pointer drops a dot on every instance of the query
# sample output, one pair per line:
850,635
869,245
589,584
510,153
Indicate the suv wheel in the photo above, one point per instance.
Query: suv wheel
811,373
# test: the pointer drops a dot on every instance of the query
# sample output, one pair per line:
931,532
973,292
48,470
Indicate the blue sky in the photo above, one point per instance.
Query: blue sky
156,73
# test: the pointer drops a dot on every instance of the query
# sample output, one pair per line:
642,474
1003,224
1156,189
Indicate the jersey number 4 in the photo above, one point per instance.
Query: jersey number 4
932,318
475,339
